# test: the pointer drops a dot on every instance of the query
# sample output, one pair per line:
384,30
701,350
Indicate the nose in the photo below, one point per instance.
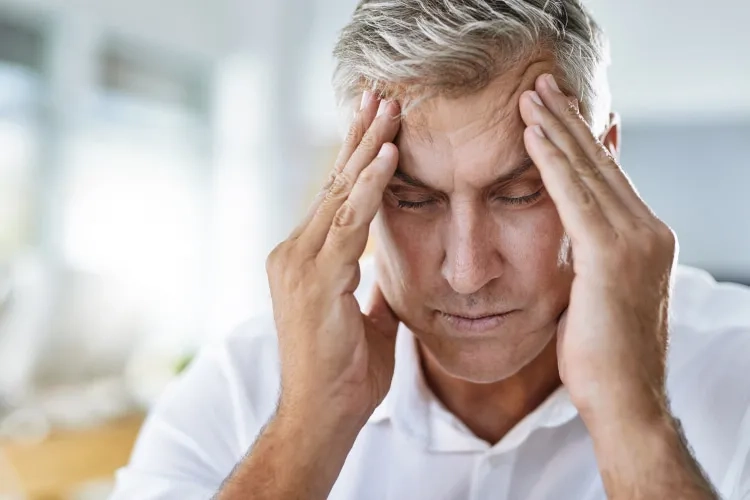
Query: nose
471,257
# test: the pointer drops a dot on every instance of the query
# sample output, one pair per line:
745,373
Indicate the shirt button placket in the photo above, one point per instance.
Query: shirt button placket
481,471
492,476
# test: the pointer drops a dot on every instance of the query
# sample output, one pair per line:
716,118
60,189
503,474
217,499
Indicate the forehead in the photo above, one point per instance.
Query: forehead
469,139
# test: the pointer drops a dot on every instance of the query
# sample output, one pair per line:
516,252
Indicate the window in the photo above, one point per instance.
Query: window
20,56
137,192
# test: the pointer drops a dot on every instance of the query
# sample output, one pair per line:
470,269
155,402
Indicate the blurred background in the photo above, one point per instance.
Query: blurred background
153,152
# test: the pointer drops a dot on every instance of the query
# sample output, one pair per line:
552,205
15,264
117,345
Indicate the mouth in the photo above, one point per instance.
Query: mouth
475,323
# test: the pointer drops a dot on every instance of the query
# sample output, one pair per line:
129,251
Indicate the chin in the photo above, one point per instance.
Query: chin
487,360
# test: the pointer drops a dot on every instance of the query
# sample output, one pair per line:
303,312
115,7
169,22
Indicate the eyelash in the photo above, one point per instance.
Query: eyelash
521,200
413,205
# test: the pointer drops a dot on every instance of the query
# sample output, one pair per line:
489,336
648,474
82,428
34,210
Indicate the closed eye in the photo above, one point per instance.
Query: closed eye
414,205
522,200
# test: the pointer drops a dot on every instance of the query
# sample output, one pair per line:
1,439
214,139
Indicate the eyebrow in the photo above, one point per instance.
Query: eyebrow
524,166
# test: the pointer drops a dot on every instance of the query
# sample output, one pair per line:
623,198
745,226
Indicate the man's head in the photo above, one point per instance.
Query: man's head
471,253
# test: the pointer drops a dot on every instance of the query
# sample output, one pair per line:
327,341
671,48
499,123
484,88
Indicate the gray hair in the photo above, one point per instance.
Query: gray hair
412,49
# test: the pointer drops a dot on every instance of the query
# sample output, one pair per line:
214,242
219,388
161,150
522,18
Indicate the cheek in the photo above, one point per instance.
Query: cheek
408,247
406,238
531,240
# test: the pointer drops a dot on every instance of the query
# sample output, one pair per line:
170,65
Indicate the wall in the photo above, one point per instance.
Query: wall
696,177
195,27
678,60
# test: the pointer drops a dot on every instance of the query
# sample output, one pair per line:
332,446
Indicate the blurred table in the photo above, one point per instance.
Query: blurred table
68,460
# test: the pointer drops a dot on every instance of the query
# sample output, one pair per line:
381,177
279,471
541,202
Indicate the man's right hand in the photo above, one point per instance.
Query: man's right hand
336,362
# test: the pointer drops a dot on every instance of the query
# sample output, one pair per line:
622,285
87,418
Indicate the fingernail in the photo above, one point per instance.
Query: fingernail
535,97
382,107
553,83
366,97
383,150
538,131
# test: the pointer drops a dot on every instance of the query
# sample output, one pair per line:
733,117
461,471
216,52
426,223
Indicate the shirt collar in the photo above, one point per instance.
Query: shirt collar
413,409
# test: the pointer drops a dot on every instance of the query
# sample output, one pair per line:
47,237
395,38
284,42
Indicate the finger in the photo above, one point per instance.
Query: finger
534,112
362,121
382,130
568,112
579,210
381,331
347,238
381,315
369,107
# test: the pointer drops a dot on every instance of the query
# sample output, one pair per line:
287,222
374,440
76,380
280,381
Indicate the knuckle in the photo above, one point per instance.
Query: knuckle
585,198
557,128
616,251
667,232
674,241
557,156
330,179
668,236
633,226
571,110
580,161
355,133
656,241
339,187
276,257
650,244
345,216
367,177
351,275
270,264
369,141
587,170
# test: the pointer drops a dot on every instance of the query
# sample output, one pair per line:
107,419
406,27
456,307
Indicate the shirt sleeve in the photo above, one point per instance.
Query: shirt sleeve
738,475
192,438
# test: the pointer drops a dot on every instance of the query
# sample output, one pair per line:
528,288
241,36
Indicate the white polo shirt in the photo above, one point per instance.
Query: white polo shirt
412,448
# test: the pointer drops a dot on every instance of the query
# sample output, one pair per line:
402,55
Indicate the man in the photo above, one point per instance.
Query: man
528,335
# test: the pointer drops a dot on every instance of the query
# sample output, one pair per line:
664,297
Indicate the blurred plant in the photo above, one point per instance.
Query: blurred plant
183,362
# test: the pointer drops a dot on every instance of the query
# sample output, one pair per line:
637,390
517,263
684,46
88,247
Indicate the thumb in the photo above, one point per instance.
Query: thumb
562,322
380,331
381,315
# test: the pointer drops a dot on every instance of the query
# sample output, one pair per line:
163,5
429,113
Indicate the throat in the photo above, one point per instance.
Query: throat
491,410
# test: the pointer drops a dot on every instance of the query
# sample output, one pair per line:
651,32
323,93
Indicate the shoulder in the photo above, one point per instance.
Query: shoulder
241,368
207,418
232,382
709,325
704,304
247,360
708,366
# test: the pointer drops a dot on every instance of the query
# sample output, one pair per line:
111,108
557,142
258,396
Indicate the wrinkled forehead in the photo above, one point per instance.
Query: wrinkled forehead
482,129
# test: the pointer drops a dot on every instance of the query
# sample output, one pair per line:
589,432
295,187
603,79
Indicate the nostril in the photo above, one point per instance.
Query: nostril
469,271
466,278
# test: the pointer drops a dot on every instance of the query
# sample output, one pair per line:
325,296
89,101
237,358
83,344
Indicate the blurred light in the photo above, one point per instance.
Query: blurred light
18,97
240,199
131,215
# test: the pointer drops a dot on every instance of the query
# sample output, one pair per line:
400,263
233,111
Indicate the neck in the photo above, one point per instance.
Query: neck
490,411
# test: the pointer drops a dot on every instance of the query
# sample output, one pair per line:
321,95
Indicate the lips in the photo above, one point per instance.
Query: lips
477,322
474,316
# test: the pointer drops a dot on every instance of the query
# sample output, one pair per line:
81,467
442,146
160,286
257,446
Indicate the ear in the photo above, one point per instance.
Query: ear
611,138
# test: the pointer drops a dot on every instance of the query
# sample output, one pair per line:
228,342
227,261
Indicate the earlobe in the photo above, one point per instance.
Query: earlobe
611,138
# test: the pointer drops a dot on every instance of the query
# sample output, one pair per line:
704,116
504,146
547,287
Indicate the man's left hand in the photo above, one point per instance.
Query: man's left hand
612,339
